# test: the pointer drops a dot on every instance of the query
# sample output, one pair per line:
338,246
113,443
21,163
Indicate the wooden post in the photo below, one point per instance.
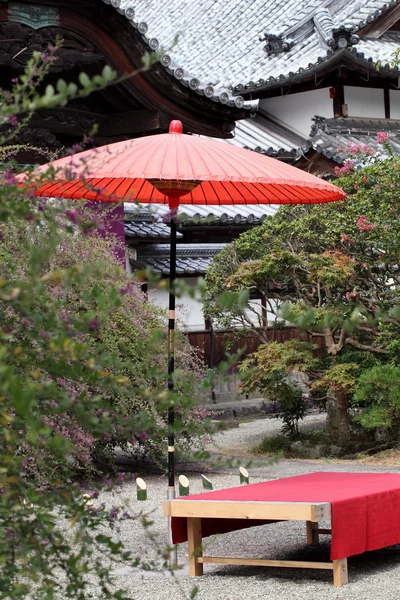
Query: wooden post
141,489
312,533
243,475
183,485
194,547
207,484
340,574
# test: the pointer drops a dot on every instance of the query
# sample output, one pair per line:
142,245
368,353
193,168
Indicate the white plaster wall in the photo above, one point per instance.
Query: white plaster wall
255,318
394,96
189,310
297,110
364,102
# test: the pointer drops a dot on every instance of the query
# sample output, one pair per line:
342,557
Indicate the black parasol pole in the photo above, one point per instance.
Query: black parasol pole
171,354
171,366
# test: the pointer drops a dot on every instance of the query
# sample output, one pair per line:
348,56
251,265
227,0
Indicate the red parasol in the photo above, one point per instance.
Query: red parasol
216,172
171,168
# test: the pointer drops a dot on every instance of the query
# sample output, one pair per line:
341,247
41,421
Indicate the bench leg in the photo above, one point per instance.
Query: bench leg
340,574
194,546
312,533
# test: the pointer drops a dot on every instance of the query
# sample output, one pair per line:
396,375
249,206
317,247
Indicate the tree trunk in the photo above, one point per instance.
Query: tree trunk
337,419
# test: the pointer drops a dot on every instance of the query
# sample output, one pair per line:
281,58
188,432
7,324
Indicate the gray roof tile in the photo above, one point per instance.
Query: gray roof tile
212,215
219,41
145,230
331,136
191,259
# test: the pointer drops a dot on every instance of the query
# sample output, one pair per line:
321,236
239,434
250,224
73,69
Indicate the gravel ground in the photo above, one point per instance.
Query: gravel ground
373,576
239,440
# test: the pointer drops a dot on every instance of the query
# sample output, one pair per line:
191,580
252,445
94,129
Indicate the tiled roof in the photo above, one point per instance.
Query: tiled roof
148,231
330,134
208,215
326,137
191,259
265,135
219,49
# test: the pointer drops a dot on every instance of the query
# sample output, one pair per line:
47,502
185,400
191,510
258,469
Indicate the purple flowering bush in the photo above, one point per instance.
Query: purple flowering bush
104,314
83,362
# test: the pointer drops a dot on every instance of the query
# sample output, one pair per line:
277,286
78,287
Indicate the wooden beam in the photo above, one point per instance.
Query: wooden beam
340,573
386,100
338,101
312,533
255,562
194,547
133,122
66,120
380,25
222,509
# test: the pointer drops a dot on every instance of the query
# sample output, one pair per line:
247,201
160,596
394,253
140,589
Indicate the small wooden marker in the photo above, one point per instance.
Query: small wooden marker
183,485
88,499
207,484
244,475
141,489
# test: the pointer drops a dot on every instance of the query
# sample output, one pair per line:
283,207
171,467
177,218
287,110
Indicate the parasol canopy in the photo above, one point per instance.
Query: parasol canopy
156,168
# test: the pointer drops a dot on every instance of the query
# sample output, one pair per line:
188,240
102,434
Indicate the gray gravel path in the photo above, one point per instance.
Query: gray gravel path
373,576
239,440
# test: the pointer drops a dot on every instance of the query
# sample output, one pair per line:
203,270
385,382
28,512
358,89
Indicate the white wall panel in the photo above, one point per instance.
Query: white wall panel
297,110
394,96
364,102
189,310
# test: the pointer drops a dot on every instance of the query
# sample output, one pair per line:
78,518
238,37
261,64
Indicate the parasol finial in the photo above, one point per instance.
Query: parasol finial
175,127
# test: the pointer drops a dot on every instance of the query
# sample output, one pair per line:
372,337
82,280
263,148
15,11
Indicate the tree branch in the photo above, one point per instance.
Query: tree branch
367,347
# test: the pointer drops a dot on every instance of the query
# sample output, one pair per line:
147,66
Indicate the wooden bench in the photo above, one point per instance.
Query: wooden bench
310,512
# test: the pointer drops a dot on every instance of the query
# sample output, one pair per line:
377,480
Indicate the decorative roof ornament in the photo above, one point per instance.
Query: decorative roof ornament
276,44
34,16
319,124
343,37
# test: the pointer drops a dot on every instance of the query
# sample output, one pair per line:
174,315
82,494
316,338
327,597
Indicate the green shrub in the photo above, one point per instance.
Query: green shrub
378,391
274,444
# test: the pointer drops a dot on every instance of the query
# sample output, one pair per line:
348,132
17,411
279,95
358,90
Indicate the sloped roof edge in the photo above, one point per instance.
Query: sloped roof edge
223,96
323,62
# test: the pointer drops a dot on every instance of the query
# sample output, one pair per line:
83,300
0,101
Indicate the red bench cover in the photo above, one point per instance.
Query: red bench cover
365,508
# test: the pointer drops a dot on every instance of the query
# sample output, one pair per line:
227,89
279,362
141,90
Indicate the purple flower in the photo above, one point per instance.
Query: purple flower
71,216
13,120
93,325
114,513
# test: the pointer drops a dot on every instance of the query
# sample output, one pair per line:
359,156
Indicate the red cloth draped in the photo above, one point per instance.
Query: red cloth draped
365,508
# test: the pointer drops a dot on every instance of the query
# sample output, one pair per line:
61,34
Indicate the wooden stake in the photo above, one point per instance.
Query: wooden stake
183,485
141,489
243,475
207,484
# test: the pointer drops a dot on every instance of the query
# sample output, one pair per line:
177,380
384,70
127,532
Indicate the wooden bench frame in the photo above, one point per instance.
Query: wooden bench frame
310,512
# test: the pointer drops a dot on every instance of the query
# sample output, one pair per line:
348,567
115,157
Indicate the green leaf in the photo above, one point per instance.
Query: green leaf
61,86
84,80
